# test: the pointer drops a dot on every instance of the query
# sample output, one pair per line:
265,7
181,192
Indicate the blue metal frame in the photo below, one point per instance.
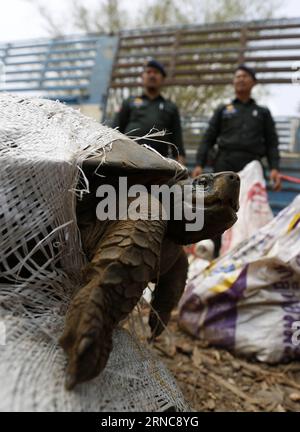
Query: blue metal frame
74,70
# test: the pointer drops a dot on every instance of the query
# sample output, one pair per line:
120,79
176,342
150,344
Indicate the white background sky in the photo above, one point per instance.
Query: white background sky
19,19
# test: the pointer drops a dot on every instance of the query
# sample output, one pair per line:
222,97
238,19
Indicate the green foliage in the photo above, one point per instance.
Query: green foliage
161,13
237,10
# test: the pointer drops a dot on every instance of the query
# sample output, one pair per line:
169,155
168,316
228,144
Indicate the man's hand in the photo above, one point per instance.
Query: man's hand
181,159
275,179
198,170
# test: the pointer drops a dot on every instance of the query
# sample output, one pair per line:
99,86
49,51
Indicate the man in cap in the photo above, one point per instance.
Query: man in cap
243,131
151,112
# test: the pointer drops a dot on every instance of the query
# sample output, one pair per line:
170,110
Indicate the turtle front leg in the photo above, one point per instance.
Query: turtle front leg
168,290
125,260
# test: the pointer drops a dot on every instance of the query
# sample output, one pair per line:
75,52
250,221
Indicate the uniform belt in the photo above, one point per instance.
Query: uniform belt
243,152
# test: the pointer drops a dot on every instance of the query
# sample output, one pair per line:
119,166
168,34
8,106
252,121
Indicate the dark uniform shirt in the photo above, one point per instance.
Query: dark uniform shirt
243,132
139,115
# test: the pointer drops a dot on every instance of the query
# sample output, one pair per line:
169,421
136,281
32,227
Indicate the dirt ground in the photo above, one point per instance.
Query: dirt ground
214,380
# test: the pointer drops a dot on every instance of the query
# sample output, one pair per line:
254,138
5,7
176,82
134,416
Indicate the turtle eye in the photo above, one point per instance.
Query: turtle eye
201,181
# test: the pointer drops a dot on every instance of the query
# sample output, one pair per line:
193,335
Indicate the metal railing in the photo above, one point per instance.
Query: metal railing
73,69
208,54
287,130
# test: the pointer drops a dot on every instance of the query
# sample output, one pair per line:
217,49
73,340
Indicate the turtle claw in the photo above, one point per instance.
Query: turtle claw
70,382
84,345
87,339
88,356
85,362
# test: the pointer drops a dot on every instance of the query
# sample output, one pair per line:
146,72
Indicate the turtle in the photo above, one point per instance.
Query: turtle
125,254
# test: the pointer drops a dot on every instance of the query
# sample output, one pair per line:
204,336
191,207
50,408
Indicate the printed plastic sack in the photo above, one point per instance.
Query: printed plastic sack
248,301
255,211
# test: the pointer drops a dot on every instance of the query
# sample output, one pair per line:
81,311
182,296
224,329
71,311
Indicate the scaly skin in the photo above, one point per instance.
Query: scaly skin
124,261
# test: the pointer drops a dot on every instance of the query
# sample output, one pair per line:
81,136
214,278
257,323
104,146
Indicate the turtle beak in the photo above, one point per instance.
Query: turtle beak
227,187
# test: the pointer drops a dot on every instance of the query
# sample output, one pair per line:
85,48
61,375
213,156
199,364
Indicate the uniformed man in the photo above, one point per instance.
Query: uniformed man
243,131
151,112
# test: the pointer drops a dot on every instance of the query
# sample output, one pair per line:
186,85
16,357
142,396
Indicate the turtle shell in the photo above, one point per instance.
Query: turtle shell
139,163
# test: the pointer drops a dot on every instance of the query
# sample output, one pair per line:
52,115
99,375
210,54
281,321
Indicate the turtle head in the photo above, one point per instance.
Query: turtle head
214,202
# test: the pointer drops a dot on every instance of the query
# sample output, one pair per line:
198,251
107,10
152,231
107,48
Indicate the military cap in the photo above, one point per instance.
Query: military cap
247,69
155,64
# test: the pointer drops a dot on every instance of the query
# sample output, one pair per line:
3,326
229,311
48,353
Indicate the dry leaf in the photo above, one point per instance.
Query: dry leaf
196,357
